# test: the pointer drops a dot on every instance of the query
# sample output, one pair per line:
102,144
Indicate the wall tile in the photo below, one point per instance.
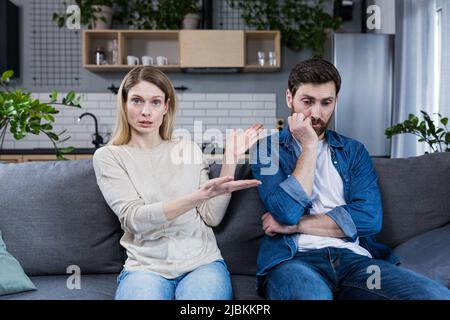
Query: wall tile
215,111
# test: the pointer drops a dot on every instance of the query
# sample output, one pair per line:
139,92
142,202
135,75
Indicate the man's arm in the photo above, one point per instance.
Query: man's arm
288,198
317,224
305,168
281,194
361,216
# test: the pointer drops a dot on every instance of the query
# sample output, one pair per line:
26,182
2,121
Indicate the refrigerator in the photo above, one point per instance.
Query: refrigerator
364,106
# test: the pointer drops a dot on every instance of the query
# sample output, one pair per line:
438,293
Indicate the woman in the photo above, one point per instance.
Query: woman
158,187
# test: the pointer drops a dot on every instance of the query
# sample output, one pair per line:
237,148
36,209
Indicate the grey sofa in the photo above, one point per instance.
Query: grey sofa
52,216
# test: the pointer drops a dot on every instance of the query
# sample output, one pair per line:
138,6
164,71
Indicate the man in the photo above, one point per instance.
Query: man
324,207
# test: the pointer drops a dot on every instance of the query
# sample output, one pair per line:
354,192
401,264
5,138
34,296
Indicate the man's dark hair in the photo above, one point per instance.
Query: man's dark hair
315,71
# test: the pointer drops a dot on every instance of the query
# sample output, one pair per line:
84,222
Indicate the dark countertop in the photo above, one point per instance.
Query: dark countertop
45,151
76,151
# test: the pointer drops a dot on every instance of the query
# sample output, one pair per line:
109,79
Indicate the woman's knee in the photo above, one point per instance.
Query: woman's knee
208,282
141,285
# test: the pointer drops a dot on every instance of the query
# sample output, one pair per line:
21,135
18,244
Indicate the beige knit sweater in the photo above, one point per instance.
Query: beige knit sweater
136,182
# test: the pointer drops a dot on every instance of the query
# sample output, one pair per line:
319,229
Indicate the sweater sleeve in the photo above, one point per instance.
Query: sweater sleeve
213,210
134,214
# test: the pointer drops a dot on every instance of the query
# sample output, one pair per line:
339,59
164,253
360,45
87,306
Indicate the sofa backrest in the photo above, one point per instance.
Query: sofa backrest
415,196
415,193
240,232
53,215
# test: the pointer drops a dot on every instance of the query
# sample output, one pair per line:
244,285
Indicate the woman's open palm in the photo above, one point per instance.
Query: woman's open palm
224,185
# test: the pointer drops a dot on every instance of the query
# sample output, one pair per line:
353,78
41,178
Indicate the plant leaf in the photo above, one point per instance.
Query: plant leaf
67,150
53,96
7,74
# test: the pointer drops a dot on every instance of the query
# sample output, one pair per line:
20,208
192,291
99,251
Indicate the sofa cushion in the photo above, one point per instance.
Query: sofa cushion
53,215
415,195
240,232
92,287
104,286
12,277
244,288
428,254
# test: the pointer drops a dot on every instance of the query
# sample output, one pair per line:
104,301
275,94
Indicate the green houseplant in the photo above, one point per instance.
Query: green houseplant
97,14
165,14
24,114
425,129
302,23
192,16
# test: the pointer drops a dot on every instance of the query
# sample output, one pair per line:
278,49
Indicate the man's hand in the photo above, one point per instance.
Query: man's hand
271,227
302,130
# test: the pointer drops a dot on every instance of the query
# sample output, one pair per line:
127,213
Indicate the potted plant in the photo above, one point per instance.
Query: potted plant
165,14
170,13
191,18
137,14
94,14
437,137
301,24
24,114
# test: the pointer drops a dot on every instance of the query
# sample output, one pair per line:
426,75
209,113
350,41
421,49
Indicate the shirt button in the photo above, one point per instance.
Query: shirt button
335,162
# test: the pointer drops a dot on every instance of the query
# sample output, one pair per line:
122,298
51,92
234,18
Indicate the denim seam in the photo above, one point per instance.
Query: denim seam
334,270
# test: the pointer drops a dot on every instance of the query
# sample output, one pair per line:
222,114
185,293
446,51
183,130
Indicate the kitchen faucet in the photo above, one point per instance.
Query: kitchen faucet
98,140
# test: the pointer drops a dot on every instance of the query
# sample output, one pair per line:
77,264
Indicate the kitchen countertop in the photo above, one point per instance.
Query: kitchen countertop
46,151
75,151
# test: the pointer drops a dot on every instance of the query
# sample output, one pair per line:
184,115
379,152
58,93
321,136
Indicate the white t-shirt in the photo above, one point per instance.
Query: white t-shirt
327,193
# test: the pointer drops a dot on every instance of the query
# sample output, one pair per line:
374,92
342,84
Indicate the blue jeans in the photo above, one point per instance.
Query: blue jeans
207,282
329,273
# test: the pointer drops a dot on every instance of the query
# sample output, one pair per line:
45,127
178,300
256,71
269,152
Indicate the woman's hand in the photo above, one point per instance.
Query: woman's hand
238,142
224,185
271,227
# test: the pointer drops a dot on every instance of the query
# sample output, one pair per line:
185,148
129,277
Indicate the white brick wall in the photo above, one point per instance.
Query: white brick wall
215,111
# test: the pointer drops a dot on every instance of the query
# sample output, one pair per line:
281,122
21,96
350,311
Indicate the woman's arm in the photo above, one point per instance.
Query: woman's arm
135,215
211,189
213,210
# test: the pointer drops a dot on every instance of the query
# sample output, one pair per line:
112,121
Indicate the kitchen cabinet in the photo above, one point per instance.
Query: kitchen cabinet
212,48
184,49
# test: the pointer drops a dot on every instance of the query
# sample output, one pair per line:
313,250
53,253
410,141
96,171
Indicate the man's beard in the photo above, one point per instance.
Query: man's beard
323,125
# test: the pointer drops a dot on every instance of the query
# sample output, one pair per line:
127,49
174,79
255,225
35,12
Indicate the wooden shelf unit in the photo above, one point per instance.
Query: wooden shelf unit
183,48
265,41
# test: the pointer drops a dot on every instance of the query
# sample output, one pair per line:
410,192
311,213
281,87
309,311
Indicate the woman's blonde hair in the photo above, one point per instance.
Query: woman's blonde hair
122,130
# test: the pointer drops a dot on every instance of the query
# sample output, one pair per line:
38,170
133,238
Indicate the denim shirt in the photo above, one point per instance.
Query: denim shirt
284,197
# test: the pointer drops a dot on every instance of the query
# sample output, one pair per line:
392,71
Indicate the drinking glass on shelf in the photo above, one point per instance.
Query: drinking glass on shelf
261,58
272,58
